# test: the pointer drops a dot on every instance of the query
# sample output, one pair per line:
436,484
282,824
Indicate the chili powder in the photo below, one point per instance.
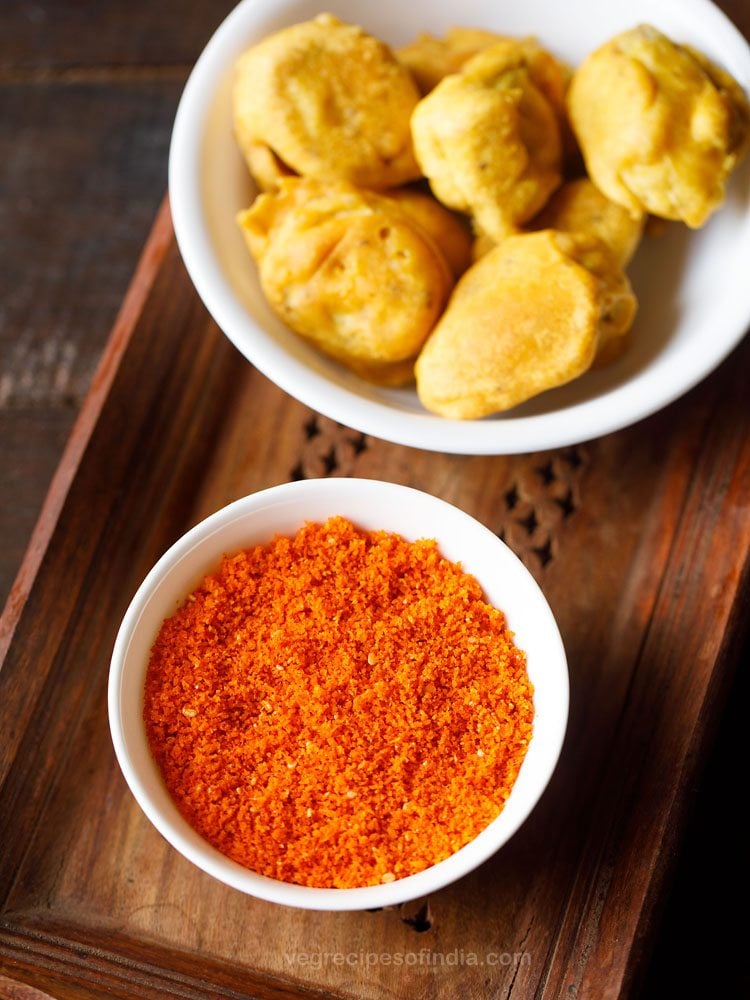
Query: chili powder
338,709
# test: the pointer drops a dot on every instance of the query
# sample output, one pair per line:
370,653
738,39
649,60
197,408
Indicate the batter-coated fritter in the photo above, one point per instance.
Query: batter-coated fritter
660,127
488,139
449,231
580,207
430,59
330,101
349,271
532,314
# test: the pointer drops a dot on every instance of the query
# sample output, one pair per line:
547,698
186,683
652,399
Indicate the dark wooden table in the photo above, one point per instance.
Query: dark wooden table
88,92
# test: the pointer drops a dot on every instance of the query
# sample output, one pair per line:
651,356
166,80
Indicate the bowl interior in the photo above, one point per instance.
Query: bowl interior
371,505
694,303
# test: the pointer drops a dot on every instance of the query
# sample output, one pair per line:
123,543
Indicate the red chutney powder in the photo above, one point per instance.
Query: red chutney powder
338,709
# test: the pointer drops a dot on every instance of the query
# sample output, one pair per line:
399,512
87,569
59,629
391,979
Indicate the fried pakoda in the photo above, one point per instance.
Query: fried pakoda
449,231
430,59
330,101
579,206
660,127
532,314
488,139
349,271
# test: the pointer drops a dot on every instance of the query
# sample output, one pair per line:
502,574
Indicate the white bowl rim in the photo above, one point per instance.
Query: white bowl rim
207,858
637,398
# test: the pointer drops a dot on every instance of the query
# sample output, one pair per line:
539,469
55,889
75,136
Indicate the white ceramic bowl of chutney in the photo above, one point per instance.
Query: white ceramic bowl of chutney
372,506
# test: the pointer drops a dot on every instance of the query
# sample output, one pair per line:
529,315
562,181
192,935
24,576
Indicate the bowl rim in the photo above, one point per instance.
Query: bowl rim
641,395
126,735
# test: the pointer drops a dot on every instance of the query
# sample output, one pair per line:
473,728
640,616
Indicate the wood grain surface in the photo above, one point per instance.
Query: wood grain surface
639,539
84,169
49,37
11,989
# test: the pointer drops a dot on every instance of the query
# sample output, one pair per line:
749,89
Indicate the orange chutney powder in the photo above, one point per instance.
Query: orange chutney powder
338,709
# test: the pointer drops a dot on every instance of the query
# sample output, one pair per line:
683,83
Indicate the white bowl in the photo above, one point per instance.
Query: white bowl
692,286
372,505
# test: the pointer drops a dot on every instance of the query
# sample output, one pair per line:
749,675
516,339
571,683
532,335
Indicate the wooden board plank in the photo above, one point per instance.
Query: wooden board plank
47,36
84,169
627,534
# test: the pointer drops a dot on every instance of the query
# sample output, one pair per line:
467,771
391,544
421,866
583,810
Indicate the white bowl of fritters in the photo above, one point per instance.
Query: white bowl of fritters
691,285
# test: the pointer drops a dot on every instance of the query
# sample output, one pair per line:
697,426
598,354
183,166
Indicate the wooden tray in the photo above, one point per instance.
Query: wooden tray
640,541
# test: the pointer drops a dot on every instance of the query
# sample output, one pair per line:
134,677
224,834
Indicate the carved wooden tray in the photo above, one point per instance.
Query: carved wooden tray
640,541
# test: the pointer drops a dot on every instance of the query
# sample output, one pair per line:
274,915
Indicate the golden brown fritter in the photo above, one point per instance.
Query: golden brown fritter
660,127
532,314
488,138
580,207
449,231
349,271
330,101
430,59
